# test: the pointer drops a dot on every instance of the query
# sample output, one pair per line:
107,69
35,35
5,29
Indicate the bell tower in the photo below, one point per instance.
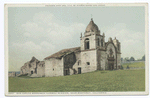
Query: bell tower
89,44
89,41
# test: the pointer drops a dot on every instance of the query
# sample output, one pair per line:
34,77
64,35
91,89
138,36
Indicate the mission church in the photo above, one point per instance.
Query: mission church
93,54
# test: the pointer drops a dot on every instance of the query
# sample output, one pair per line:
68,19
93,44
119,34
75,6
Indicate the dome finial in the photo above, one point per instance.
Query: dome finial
92,27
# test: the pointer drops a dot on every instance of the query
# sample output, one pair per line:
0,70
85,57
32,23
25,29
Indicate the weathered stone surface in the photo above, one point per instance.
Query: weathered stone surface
54,67
34,66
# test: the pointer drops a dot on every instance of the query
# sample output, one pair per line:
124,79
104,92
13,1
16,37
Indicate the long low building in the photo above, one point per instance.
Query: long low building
93,54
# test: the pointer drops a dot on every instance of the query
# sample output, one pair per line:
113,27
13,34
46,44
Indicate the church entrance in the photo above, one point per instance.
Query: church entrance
111,63
111,66
111,60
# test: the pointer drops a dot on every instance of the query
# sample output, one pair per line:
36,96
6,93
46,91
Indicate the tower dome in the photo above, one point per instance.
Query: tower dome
92,27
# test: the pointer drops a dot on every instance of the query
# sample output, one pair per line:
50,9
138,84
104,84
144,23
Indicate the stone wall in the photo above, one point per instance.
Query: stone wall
88,61
101,60
25,69
54,67
33,66
41,69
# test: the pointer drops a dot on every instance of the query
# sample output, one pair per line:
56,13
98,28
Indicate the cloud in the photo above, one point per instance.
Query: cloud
62,34
43,36
43,17
27,34
43,25
33,29
132,42
28,46
47,45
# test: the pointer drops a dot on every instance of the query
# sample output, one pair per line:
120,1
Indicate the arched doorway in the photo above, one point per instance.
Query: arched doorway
110,60
111,63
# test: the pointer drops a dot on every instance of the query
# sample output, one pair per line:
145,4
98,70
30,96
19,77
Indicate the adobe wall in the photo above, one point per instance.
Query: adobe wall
33,66
41,70
54,67
91,57
101,60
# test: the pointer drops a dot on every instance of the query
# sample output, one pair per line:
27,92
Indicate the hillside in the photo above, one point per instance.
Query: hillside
134,64
117,80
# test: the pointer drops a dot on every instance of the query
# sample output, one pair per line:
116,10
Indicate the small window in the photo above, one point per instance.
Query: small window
88,63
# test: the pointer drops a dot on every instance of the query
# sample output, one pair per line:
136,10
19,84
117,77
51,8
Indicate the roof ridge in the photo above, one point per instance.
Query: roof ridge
62,52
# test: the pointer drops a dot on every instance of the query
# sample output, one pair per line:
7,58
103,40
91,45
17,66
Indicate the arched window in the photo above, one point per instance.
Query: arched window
98,41
102,42
87,44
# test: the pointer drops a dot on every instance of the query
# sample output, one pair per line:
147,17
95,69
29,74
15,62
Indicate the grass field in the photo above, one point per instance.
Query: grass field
117,80
136,64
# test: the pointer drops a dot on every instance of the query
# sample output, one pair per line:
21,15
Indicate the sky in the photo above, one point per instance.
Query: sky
42,31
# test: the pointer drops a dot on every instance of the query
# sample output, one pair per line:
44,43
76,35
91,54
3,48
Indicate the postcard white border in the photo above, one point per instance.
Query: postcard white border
75,93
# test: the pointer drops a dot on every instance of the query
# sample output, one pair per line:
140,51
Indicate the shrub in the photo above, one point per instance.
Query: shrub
128,67
121,67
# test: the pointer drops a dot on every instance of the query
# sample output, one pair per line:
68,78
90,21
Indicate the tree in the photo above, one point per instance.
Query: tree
132,59
128,67
126,59
121,59
121,67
